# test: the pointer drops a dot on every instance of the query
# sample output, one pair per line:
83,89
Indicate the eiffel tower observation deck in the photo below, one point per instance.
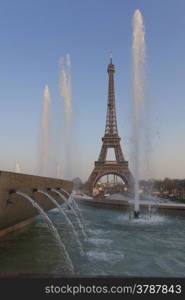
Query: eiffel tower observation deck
111,139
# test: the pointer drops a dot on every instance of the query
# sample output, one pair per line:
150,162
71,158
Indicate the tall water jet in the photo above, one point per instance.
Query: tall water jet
17,167
44,134
51,227
65,93
138,65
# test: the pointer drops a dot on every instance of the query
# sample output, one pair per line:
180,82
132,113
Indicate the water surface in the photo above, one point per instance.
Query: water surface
115,246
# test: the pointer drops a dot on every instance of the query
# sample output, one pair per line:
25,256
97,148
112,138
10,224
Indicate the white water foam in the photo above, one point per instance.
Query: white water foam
100,242
97,232
144,219
147,220
95,255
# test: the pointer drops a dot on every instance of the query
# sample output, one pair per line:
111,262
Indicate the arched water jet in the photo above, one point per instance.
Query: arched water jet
51,227
65,215
72,209
76,206
73,201
64,191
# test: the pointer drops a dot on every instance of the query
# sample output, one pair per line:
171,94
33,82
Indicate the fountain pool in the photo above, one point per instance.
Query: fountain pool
116,246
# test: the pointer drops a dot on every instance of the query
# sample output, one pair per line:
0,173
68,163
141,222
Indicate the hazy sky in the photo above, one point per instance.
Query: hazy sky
35,34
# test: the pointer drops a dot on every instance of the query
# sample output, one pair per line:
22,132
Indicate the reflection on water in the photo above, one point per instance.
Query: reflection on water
115,246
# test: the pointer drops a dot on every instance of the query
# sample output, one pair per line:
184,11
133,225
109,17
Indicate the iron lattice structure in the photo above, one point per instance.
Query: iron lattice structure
110,139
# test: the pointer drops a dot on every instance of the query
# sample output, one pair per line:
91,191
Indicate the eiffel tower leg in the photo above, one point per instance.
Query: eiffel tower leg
90,183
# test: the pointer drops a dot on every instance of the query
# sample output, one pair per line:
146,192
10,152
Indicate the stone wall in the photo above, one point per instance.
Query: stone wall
15,208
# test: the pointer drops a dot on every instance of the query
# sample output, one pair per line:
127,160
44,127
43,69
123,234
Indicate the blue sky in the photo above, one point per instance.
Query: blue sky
33,37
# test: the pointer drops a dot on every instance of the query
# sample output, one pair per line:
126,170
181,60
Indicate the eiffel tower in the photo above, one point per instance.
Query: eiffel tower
110,139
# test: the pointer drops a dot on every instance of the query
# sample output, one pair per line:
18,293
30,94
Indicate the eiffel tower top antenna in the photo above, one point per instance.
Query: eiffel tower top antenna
111,57
111,122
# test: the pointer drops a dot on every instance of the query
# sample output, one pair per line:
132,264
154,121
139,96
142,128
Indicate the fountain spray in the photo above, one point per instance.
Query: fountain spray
66,101
17,167
44,134
138,65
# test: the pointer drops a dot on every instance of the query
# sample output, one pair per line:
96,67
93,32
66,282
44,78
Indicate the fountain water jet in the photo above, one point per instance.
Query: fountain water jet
66,217
66,101
73,201
138,58
44,134
76,207
64,191
17,167
51,227
74,212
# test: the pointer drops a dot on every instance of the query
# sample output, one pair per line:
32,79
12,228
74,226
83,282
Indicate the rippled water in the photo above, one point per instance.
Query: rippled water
115,246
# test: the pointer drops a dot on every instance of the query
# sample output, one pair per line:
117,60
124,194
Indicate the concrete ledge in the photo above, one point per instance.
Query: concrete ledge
16,226
14,208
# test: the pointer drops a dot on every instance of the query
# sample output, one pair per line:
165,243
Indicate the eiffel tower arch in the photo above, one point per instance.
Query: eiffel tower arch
111,139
